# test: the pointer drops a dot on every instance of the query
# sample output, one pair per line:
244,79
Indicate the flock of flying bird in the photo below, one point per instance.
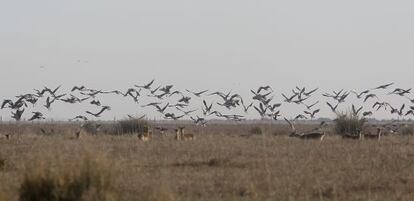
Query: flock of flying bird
162,96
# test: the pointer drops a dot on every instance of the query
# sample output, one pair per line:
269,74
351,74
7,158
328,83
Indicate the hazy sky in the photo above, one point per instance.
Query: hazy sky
216,44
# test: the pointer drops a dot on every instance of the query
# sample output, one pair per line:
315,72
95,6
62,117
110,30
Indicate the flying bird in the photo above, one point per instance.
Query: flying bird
80,117
309,107
100,112
198,94
265,88
370,96
146,86
17,115
368,113
246,107
333,108
383,86
312,113
359,95
36,115
356,111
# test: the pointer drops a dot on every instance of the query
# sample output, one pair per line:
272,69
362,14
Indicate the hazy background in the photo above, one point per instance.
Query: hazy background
216,44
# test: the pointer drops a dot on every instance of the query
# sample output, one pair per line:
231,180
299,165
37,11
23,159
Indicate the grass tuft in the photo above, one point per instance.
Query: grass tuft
348,123
2,163
131,126
89,180
256,130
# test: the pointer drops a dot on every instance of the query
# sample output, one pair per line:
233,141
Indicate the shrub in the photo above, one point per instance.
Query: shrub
407,130
89,180
91,127
131,126
2,163
256,130
348,123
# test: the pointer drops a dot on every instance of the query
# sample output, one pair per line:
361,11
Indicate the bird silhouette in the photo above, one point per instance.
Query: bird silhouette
36,115
198,94
100,112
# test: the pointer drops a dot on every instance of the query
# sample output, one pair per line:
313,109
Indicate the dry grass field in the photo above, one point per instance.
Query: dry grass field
225,162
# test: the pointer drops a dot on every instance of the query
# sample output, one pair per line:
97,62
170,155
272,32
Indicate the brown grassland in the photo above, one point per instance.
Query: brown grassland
225,162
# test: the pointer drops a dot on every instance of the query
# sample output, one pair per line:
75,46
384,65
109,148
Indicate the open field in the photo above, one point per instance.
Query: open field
225,162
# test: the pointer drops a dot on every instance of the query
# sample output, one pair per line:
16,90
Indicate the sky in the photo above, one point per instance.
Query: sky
216,45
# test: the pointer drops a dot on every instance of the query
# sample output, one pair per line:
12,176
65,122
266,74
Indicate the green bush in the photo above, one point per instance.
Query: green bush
89,180
348,123
131,126
256,130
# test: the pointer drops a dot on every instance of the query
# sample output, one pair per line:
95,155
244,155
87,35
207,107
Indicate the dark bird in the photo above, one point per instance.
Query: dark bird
172,116
409,112
208,108
175,92
139,118
161,109
370,96
185,99
356,111
95,102
186,112
199,121
52,92
80,88
310,92
401,92
266,88
383,86
260,97
217,113
100,112
222,95
233,117
342,98
198,94
335,94
359,95
166,89
309,107
398,111
289,100
73,99
49,102
380,105
80,117
155,90
151,104
17,115
146,86
333,108
312,113
261,110
246,107
36,115
273,107
300,100
300,116
275,115
179,105
368,113
40,93
7,101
